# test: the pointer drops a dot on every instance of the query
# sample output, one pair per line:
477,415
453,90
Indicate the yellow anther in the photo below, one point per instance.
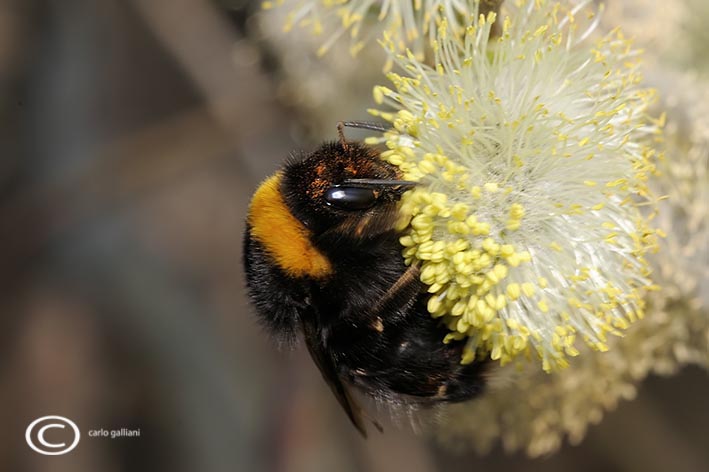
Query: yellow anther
434,304
543,306
513,291
491,187
516,211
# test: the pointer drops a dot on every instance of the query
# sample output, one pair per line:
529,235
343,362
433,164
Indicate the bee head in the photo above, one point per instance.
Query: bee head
344,188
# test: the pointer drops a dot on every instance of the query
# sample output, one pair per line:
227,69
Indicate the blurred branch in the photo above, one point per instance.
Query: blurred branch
205,48
125,171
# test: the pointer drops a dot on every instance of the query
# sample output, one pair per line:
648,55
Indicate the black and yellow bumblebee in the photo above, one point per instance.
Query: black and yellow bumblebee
322,258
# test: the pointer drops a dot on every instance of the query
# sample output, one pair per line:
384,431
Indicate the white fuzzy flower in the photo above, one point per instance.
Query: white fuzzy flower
406,22
532,151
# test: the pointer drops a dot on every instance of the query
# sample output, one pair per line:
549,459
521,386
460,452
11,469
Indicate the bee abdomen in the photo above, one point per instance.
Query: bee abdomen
407,357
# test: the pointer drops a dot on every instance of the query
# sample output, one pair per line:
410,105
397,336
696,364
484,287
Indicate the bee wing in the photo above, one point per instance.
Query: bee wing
329,372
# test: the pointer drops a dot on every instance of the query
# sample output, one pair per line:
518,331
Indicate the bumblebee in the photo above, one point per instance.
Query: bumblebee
322,259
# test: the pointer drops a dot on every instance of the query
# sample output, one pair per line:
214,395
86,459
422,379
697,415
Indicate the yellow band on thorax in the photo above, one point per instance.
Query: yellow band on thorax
284,238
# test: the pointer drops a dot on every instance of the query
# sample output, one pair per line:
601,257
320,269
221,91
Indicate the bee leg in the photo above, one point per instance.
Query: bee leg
414,361
400,296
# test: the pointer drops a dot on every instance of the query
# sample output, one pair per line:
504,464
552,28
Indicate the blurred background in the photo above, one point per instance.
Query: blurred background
132,134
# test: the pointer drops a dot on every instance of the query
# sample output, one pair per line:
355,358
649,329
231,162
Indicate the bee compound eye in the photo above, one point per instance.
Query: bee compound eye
351,198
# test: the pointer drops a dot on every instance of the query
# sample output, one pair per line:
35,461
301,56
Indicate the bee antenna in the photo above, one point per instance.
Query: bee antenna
341,135
370,125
